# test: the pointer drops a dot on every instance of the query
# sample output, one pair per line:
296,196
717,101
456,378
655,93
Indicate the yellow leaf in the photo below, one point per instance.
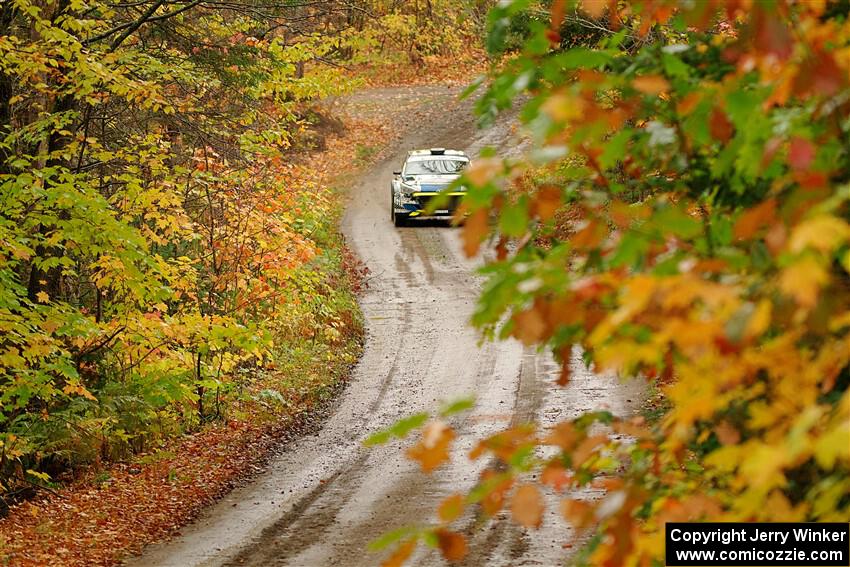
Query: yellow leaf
42,297
832,446
803,279
823,233
759,320
563,108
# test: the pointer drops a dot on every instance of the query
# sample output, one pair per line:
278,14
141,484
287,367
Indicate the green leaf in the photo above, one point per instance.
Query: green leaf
457,406
674,220
394,536
514,219
582,58
399,429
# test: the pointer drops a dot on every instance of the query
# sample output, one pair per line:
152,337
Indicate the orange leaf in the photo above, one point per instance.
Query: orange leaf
481,171
819,74
585,449
565,354
452,545
594,8
755,218
651,84
556,476
727,434
433,449
577,512
688,103
546,202
563,435
527,506
401,554
771,34
588,237
529,326
474,230
557,12
451,508
495,494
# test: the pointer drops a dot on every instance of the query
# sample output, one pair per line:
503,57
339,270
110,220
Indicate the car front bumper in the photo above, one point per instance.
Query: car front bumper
417,204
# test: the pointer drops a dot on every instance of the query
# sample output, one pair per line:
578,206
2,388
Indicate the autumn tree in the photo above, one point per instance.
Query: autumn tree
151,232
681,216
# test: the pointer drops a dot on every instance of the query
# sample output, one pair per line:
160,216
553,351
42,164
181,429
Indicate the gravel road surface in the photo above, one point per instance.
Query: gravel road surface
325,496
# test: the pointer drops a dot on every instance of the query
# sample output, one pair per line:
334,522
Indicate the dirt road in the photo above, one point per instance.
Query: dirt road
325,497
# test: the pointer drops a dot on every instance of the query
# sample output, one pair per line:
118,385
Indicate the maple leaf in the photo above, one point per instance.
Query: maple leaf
42,297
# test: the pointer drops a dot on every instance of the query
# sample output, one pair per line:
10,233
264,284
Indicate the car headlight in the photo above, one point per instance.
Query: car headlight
407,190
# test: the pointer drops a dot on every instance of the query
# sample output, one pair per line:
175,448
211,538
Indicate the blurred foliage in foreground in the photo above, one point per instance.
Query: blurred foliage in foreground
682,216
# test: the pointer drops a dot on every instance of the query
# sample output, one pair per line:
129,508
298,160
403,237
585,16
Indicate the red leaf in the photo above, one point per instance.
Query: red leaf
719,126
801,153
771,35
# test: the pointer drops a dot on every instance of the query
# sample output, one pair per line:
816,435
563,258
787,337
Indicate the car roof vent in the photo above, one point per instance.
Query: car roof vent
438,151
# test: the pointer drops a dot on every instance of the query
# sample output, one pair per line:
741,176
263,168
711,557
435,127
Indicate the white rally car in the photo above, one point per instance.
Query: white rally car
425,174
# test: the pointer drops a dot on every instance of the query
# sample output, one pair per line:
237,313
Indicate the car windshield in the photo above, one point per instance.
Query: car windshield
435,166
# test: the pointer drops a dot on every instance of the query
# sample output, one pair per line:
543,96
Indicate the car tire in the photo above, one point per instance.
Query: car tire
398,220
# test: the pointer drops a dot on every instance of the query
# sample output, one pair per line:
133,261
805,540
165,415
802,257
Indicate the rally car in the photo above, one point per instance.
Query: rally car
424,174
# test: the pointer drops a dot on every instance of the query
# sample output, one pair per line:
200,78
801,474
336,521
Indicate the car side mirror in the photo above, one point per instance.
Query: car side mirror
396,172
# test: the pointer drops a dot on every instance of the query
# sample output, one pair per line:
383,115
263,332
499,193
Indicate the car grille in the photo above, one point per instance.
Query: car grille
451,205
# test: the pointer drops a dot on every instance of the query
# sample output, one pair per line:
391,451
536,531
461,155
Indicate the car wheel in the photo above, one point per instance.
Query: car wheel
398,220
